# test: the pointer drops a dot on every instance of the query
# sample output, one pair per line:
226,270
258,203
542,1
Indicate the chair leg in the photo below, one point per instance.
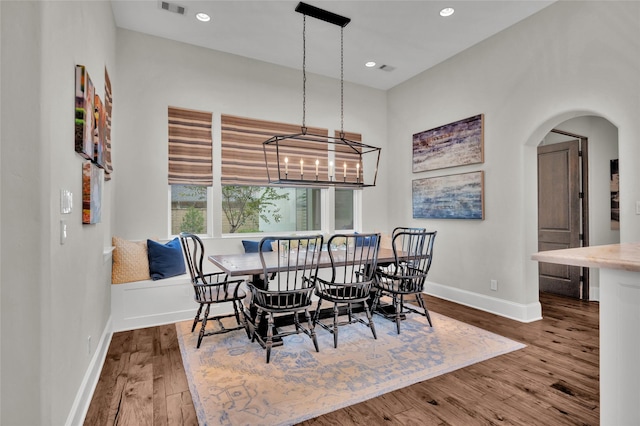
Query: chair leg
372,326
421,303
316,314
197,318
376,300
204,324
397,301
312,329
269,342
257,325
335,325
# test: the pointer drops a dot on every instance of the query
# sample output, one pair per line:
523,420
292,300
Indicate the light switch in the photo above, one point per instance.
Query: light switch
63,231
66,201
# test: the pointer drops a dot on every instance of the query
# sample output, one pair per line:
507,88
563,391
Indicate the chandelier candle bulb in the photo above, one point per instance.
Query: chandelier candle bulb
301,168
330,170
345,170
286,165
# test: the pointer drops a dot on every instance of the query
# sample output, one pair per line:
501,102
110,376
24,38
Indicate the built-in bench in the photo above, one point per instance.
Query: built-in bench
148,303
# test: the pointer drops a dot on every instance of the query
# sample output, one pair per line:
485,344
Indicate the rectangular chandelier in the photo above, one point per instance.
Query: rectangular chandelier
320,161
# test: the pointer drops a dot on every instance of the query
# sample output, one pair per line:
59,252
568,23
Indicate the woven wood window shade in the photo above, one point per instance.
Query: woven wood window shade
347,155
243,155
190,149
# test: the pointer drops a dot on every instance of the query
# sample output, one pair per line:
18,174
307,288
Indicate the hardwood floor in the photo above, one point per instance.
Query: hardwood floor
553,381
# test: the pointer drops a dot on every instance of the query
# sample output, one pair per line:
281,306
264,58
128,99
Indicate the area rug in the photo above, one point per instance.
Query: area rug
232,385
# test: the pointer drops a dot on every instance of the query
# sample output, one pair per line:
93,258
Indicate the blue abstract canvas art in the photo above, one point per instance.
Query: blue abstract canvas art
458,196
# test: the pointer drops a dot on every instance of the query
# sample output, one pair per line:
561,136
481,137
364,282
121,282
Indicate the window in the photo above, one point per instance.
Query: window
190,169
189,209
344,209
248,209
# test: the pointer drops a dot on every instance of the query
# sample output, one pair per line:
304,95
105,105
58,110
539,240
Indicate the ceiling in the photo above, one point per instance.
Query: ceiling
403,37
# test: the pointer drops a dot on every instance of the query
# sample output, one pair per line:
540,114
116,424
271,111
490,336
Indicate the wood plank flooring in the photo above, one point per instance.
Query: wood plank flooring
553,381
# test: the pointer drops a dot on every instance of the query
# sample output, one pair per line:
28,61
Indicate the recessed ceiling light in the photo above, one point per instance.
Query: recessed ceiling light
447,11
203,17
370,64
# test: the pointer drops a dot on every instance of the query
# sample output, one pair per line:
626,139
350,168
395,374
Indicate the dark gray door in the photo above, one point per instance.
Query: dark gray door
559,214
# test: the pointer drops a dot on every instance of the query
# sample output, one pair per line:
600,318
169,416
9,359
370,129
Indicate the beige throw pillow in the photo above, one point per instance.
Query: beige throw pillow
130,261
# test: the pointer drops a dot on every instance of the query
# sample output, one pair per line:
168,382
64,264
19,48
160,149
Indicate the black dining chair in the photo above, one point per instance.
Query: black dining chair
395,231
287,292
353,267
413,253
211,288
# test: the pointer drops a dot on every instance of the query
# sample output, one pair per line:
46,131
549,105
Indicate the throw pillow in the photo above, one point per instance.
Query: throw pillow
165,260
130,261
253,246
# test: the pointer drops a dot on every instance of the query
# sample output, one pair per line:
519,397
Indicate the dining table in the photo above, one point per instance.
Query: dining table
249,264
243,264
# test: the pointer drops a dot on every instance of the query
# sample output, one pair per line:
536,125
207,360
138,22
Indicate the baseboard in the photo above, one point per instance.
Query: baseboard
505,308
87,387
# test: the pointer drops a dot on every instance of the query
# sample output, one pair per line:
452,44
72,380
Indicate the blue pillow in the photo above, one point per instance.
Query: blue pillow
165,260
365,241
253,246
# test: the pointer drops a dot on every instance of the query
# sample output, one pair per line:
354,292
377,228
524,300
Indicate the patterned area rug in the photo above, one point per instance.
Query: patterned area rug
232,385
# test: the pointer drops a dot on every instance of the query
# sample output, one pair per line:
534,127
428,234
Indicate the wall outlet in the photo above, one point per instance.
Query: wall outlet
494,285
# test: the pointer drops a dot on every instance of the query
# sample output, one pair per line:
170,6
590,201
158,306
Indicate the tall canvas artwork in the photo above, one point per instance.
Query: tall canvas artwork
108,105
92,181
84,115
99,132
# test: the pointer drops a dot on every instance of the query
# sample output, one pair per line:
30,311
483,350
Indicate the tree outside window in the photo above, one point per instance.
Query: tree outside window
188,209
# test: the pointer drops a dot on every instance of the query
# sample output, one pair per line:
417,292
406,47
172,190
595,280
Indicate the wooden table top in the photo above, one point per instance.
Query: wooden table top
249,263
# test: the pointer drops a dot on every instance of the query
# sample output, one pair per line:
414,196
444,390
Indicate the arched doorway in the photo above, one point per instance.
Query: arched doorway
603,147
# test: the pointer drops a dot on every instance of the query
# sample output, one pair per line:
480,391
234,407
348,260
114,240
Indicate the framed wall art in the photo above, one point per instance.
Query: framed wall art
108,106
459,196
84,115
454,144
99,130
92,178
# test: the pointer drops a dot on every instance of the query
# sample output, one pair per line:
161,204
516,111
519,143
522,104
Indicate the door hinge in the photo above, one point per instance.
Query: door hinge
581,195
582,278
581,237
580,153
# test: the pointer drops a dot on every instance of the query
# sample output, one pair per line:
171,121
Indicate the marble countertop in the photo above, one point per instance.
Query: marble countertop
613,256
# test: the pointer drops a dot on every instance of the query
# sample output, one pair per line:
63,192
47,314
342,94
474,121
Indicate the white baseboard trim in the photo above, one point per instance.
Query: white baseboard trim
89,382
505,308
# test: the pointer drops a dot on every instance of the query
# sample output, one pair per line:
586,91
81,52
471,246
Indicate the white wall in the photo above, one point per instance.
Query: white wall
54,296
570,59
154,73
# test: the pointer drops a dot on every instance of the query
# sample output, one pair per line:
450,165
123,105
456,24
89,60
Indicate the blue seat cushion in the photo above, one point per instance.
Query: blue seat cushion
253,246
165,260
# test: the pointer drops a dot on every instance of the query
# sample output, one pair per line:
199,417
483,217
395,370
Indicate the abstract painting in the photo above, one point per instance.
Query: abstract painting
84,115
108,106
453,144
458,196
92,178
99,131
614,185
